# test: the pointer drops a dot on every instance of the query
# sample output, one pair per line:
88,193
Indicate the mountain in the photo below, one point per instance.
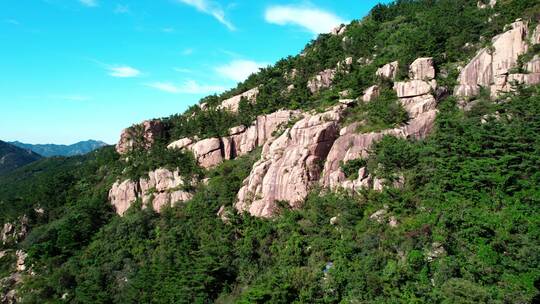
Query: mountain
49,150
395,160
12,157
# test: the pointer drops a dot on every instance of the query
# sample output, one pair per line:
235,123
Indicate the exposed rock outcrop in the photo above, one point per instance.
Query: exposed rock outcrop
241,140
351,145
389,70
413,88
325,78
371,93
492,68
208,152
415,96
232,104
161,188
322,80
339,30
290,164
13,233
422,69
482,4
140,136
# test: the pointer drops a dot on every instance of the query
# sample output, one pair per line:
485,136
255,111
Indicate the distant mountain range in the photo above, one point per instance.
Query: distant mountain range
12,157
49,150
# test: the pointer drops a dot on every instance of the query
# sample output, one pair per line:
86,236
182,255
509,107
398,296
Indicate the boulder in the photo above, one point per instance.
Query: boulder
413,88
161,188
418,104
422,69
232,104
339,30
371,93
389,71
290,164
208,152
180,144
482,4
123,194
322,80
141,136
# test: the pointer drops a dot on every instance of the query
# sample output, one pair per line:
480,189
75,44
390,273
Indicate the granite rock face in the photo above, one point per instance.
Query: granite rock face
371,93
492,68
141,136
161,188
211,152
232,104
324,79
311,152
389,71
290,164
422,69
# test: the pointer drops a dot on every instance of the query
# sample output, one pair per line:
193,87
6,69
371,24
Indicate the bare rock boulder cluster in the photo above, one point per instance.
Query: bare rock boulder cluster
290,164
140,136
389,70
232,104
325,78
493,68
161,188
311,152
211,152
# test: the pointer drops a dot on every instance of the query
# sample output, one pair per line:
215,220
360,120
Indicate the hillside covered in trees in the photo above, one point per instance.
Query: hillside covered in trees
442,205
12,157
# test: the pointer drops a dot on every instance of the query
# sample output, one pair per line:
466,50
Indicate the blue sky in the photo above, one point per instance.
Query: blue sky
73,70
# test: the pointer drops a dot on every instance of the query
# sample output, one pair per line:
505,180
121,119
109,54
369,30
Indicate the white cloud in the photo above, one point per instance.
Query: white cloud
239,70
123,71
167,30
211,8
188,87
187,52
314,20
121,9
89,3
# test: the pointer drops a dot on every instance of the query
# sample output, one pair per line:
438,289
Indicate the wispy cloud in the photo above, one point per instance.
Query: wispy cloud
312,19
89,3
188,87
121,9
123,71
12,21
212,8
239,70
187,52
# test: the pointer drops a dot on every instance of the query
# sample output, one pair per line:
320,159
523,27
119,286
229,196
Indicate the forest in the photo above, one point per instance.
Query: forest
468,215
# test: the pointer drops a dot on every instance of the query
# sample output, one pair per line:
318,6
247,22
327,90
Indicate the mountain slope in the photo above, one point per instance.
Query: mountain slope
12,157
382,186
49,150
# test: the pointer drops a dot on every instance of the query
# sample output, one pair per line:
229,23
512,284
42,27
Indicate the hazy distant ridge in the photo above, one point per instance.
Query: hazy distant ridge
49,150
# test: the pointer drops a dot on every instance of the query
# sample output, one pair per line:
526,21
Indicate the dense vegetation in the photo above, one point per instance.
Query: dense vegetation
467,217
48,150
12,157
